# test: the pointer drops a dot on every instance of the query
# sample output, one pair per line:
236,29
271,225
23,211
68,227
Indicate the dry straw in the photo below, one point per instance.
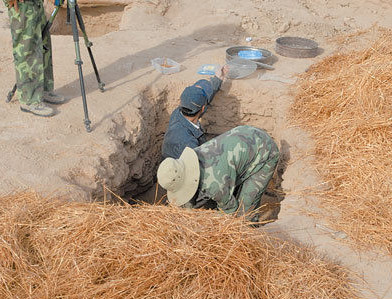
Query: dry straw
346,103
56,249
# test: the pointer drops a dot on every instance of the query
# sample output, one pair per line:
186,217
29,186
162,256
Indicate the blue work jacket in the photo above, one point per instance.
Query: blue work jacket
181,132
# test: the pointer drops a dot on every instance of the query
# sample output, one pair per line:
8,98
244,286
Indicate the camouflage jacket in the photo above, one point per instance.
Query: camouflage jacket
228,160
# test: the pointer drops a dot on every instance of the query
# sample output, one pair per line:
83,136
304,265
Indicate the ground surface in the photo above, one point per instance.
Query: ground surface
56,155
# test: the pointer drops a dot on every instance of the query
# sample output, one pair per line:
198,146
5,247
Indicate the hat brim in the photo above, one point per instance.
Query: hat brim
191,178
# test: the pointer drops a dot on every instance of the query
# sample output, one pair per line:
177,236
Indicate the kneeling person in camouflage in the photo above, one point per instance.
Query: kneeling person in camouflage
232,169
32,57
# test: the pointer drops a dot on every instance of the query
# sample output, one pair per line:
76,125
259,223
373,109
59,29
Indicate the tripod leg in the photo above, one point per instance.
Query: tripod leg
49,23
89,45
79,61
68,21
11,94
45,31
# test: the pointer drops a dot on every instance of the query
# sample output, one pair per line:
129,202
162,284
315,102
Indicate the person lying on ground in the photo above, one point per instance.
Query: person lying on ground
233,170
32,57
184,126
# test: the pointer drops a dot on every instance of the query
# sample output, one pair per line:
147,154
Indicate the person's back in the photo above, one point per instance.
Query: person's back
230,160
180,134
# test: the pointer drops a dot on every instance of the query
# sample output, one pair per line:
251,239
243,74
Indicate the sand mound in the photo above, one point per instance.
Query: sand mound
345,102
56,249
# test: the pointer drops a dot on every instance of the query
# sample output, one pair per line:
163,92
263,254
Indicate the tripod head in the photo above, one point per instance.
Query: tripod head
58,2
61,2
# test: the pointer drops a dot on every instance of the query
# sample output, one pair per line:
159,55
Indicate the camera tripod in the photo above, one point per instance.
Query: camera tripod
74,17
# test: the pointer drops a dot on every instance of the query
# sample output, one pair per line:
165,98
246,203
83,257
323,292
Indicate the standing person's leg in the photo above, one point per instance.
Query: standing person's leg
28,57
251,191
48,96
47,55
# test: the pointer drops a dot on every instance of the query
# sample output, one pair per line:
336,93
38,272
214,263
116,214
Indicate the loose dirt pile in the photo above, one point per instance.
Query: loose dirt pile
57,249
345,102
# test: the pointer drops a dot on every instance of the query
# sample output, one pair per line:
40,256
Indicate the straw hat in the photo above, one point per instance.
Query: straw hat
180,177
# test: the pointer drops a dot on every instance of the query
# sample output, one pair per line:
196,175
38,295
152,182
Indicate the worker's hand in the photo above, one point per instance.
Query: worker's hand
223,72
14,3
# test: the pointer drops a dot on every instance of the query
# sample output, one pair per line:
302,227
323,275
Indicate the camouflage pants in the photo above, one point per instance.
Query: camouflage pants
32,54
249,194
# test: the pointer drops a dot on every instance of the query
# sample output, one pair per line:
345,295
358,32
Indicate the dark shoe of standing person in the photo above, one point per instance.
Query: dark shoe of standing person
53,98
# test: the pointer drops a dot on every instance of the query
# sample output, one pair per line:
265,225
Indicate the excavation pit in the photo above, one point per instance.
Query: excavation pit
227,111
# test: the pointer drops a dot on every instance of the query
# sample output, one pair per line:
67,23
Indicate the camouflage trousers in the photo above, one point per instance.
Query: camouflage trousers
250,193
32,53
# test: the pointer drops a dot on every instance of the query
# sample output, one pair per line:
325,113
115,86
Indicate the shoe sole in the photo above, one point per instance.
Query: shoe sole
29,111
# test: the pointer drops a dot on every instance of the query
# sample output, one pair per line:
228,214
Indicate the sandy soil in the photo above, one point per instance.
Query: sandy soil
57,156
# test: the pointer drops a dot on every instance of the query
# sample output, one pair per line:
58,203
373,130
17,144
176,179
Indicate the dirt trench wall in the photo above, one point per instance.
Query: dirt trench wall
147,143
132,151
241,107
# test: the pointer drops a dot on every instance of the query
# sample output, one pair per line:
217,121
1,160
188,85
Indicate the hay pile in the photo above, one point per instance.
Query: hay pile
345,101
54,249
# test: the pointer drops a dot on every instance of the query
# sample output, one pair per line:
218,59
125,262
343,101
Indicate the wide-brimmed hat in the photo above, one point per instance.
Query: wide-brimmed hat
180,177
